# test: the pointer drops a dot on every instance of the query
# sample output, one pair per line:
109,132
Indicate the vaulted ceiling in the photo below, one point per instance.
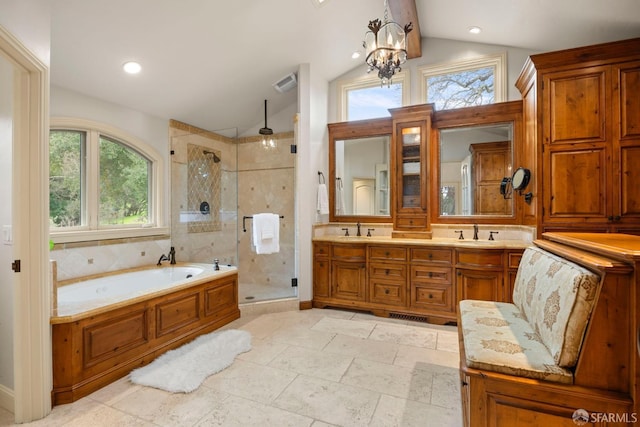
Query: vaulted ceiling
212,63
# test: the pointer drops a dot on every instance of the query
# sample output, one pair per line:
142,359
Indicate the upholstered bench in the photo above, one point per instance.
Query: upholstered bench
527,360
539,335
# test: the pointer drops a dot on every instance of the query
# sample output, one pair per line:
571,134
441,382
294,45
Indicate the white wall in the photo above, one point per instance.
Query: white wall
437,52
6,252
30,22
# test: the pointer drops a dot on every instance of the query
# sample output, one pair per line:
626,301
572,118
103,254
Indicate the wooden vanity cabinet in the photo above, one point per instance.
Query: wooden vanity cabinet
321,270
589,135
480,274
419,282
388,275
409,184
348,272
431,284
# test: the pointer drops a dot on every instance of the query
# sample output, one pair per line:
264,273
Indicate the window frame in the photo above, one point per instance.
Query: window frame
368,81
496,61
92,230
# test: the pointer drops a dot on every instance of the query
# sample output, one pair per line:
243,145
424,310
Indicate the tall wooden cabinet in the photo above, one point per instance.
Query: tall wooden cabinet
587,129
410,148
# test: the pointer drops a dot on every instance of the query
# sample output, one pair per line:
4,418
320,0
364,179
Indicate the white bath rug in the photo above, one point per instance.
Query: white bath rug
183,370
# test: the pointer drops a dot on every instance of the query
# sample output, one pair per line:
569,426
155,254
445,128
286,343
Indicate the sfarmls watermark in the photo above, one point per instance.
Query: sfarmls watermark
581,417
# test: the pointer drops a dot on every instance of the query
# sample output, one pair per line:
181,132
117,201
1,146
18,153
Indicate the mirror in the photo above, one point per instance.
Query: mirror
474,161
359,159
473,151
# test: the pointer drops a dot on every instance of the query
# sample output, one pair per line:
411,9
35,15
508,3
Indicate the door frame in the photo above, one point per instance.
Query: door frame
30,217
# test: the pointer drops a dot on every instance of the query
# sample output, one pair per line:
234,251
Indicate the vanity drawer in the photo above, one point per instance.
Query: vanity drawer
514,259
428,274
387,253
388,293
440,256
350,252
479,258
411,222
433,297
321,249
388,271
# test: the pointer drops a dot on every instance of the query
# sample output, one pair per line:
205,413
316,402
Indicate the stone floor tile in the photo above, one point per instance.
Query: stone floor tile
393,411
313,363
352,328
406,335
361,348
410,357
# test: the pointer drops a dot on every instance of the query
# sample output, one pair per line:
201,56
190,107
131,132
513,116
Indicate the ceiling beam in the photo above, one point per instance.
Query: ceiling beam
403,12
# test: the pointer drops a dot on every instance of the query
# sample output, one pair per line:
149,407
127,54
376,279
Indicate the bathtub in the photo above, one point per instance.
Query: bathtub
86,295
103,327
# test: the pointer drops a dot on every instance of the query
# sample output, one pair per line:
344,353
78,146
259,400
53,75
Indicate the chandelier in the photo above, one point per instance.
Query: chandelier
385,46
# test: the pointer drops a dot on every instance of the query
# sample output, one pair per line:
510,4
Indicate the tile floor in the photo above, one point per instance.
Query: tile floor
306,368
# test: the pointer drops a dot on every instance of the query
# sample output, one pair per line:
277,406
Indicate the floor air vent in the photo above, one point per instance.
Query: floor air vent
408,317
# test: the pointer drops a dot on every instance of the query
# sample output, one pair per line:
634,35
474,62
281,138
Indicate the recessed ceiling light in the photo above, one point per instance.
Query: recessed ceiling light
475,30
318,3
131,67
355,55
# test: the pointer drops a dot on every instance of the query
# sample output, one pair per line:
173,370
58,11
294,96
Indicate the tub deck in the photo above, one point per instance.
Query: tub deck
94,348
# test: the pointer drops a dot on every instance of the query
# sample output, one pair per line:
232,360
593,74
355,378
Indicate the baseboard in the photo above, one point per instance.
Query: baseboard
306,305
6,399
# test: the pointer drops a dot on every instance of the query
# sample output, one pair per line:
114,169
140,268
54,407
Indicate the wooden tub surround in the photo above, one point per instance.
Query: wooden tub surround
569,341
95,348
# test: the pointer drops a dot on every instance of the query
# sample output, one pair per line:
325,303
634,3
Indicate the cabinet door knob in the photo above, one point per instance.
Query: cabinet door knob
430,296
430,274
430,255
386,254
386,291
459,273
386,272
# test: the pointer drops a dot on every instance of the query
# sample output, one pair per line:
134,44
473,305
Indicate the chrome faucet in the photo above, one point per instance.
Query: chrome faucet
163,257
172,255
475,231
358,232
216,264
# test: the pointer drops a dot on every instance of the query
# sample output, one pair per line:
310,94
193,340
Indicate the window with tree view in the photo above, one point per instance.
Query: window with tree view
461,89
96,181
466,83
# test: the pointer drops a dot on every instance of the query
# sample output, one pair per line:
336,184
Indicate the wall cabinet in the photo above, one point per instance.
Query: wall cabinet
589,135
404,280
409,186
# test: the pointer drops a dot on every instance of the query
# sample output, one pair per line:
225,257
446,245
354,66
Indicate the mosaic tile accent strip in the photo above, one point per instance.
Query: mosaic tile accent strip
203,189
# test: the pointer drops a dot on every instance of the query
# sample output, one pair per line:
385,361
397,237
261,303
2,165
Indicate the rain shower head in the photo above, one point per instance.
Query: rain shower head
216,159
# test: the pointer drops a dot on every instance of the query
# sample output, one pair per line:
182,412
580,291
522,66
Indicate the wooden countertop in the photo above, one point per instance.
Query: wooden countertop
619,246
438,241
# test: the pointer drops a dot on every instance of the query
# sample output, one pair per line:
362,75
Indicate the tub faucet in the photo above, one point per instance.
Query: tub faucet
163,257
172,255
475,231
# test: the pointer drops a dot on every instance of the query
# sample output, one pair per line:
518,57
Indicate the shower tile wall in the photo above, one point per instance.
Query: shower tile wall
203,241
266,184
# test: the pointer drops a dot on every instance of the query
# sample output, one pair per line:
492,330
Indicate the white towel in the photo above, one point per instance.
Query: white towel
339,197
266,233
323,200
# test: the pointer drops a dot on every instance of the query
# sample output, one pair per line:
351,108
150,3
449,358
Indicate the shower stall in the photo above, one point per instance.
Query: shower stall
217,184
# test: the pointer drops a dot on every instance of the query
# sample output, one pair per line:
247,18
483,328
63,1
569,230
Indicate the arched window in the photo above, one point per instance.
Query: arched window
103,183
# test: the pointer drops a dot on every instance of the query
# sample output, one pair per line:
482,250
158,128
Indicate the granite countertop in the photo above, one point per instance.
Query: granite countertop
436,241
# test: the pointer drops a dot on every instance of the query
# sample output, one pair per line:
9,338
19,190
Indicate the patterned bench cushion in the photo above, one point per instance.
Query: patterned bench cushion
497,338
556,297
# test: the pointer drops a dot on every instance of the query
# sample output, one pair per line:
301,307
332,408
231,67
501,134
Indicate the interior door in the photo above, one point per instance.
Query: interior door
363,196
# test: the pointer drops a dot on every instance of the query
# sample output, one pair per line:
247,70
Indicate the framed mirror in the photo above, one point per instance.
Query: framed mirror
359,162
474,151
